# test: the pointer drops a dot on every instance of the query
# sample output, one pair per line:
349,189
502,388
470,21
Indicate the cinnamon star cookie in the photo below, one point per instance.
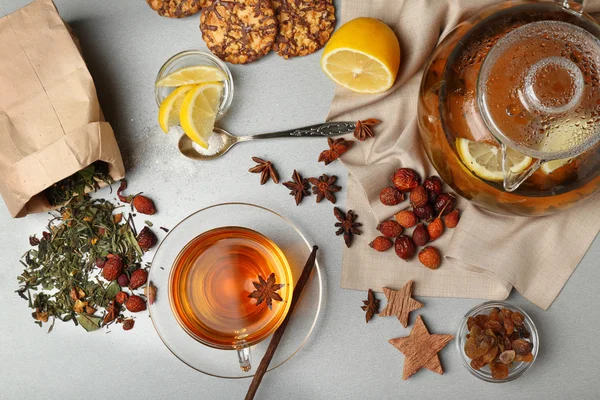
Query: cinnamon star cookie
304,26
239,31
177,8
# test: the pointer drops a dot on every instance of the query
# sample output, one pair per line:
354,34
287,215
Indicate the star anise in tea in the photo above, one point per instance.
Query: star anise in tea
371,306
299,187
266,170
324,187
336,149
364,130
266,291
346,225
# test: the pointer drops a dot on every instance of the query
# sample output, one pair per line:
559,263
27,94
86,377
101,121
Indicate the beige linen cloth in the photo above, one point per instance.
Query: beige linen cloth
487,254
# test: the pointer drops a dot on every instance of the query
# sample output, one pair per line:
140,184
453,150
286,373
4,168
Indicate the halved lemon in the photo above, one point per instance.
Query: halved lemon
199,111
485,160
168,113
363,55
192,76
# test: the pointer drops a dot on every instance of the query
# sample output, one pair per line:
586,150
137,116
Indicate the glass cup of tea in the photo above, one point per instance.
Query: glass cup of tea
230,288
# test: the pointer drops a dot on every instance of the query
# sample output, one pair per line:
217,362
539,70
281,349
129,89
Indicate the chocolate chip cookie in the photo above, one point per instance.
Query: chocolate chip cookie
239,31
177,8
304,26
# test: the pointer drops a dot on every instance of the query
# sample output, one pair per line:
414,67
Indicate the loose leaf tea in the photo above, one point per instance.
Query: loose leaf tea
60,279
76,185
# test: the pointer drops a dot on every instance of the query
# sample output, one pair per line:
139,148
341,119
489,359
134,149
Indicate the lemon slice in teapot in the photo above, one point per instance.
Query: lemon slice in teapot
485,160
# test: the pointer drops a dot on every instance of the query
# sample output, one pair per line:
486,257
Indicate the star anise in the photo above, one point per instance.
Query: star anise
299,187
371,306
363,129
324,187
266,169
266,291
336,149
347,226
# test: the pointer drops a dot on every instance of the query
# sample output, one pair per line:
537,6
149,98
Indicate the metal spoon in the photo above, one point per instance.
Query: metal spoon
325,130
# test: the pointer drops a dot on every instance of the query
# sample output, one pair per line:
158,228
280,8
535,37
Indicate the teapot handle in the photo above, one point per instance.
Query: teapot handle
573,6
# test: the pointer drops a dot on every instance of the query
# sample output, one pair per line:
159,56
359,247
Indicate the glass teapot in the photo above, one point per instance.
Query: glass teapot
509,107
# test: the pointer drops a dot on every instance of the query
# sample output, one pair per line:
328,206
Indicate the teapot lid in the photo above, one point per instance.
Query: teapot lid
538,90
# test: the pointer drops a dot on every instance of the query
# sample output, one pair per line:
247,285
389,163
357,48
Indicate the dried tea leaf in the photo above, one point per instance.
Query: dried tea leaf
89,322
112,290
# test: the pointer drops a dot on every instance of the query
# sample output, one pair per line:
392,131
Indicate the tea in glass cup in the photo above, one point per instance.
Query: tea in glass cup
211,283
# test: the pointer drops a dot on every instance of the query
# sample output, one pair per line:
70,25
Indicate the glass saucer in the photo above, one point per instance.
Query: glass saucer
295,246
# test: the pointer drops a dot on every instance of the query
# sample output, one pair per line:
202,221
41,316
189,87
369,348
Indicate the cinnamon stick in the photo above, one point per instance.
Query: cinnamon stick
264,364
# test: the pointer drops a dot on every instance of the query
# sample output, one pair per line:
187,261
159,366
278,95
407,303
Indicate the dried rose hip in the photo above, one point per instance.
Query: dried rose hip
420,235
433,184
406,218
406,179
381,243
435,229
405,248
451,219
390,196
390,229
444,203
418,197
425,212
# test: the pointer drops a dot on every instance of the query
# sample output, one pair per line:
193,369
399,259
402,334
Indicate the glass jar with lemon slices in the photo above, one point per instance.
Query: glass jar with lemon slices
509,111
193,89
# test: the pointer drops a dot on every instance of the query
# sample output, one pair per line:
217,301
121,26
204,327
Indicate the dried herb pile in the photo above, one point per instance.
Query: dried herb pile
76,185
62,279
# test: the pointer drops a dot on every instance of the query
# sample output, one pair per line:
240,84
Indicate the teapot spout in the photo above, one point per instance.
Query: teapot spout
513,179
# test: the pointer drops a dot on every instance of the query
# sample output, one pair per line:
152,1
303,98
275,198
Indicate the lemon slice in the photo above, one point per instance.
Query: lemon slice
168,113
553,142
199,111
485,160
192,76
551,166
363,55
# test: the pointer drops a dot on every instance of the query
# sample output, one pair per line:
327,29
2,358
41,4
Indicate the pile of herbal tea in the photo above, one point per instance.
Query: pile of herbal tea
87,265
77,185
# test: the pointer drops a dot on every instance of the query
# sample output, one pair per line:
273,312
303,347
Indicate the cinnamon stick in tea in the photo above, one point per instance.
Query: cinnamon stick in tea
264,364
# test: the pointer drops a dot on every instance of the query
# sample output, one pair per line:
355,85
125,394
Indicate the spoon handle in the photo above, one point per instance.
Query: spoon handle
324,130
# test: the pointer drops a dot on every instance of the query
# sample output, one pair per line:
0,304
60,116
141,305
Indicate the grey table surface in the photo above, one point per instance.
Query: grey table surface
125,43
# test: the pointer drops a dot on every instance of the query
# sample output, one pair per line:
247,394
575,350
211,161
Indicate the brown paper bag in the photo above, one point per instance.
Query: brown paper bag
51,124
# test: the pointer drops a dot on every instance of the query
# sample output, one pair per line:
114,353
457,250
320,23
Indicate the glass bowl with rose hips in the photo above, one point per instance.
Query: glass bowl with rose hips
497,341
